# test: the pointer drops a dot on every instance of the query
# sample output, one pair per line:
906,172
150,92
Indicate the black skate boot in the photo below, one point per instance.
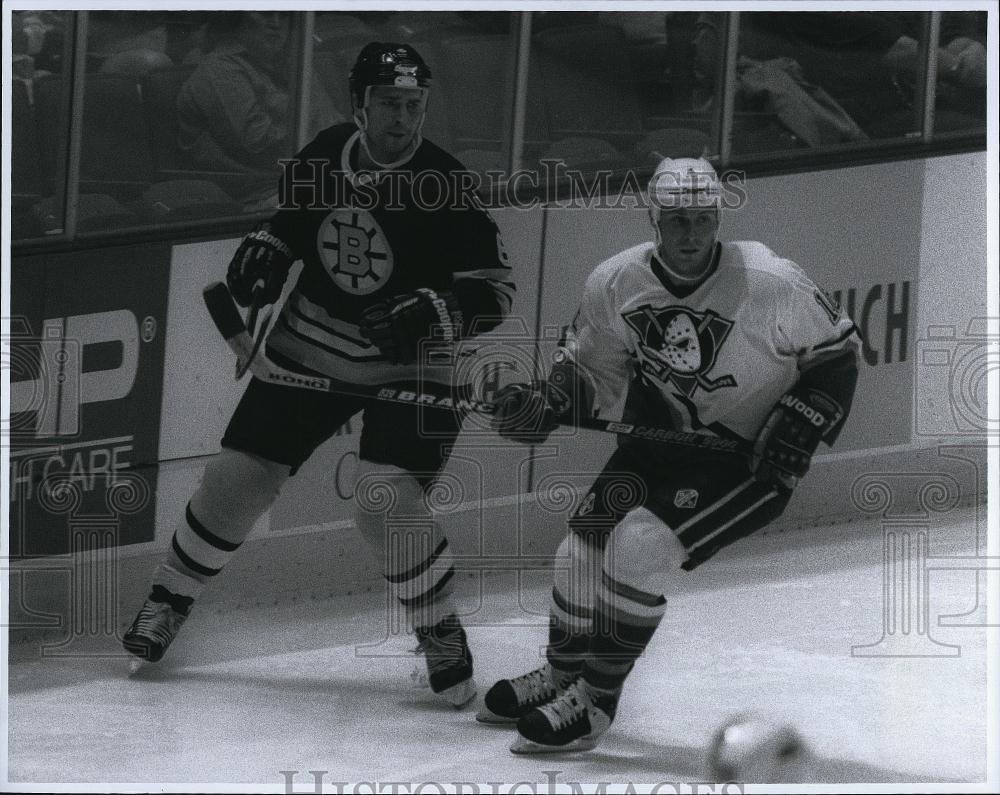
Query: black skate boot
510,699
157,624
572,721
449,661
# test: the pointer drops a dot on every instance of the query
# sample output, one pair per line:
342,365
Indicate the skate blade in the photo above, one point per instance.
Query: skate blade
522,745
418,677
461,694
486,715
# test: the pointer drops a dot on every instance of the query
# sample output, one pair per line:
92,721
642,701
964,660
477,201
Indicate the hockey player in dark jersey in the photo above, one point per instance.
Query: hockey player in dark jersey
720,338
396,258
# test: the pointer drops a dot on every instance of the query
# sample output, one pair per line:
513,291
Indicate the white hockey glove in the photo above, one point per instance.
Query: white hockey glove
785,444
397,326
262,257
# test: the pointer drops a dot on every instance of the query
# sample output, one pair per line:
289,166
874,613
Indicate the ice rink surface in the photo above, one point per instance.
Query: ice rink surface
786,625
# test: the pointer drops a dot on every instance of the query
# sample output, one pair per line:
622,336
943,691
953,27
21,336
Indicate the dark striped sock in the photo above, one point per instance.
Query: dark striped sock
625,619
419,578
197,552
569,633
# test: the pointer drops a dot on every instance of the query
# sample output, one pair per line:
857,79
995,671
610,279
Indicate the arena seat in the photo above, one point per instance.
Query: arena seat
135,63
585,154
187,200
406,26
96,212
337,31
671,142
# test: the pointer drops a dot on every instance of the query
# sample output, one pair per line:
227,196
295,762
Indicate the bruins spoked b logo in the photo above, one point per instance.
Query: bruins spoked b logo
679,345
354,251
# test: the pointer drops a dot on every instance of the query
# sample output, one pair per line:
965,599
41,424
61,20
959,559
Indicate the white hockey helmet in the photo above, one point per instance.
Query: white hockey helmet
683,182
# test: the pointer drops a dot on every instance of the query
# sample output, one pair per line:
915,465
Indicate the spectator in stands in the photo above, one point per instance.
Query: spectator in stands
961,69
869,60
235,112
37,44
800,113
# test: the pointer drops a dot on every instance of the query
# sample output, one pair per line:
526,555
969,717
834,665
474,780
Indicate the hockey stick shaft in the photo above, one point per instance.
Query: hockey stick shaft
257,301
230,325
243,362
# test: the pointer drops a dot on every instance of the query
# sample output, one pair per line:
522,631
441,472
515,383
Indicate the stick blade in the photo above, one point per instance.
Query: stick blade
222,309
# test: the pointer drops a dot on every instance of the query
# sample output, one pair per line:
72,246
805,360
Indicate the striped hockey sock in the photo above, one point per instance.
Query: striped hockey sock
570,625
625,619
196,555
420,578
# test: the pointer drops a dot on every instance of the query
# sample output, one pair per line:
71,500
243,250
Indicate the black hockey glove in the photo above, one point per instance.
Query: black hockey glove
397,326
785,444
528,413
262,257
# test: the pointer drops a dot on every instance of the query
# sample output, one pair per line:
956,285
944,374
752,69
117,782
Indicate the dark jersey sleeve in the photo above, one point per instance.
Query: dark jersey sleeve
482,279
836,378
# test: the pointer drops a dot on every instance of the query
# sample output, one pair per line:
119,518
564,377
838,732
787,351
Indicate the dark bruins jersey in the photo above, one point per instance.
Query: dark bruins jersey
364,237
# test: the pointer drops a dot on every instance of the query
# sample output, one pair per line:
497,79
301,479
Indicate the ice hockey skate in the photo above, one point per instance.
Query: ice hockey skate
510,699
572,721
449,661
156,625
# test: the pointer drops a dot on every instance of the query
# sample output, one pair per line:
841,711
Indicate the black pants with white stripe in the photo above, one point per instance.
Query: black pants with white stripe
709,499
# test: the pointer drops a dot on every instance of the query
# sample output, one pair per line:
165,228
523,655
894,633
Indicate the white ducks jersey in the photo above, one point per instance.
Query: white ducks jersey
721,356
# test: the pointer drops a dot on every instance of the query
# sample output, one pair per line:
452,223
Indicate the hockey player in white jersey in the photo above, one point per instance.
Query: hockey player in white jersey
721,338
382,273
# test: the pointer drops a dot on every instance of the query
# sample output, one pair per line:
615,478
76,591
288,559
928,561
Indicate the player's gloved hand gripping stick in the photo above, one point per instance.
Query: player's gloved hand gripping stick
255,277
226,317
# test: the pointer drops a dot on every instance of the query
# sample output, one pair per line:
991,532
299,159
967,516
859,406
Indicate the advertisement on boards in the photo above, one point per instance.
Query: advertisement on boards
87,344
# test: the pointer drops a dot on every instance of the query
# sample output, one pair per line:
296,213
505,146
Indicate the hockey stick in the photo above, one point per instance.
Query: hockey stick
227,320
257,301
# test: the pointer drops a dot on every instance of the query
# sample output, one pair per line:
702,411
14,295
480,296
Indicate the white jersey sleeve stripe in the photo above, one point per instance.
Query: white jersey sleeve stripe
498,274
838,340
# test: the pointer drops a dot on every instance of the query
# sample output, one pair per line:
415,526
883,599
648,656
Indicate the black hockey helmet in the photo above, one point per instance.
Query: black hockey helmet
386,64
